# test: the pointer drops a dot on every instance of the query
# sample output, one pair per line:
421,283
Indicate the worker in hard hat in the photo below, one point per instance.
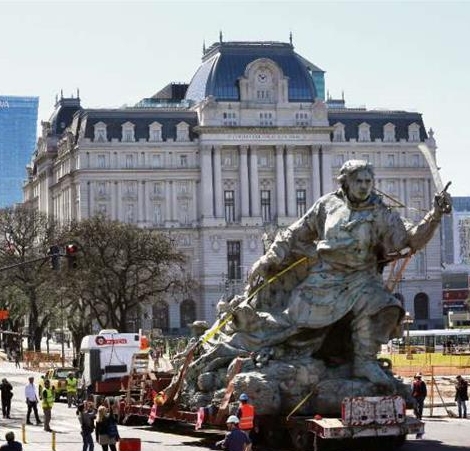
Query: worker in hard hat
235,440
246,415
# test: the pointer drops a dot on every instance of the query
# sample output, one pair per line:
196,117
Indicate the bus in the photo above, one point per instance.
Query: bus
447,341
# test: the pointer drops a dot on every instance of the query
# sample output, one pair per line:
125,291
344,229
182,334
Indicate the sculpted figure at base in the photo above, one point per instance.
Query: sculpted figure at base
333,307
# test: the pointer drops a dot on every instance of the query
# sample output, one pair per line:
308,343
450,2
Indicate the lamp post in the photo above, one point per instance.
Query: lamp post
407,321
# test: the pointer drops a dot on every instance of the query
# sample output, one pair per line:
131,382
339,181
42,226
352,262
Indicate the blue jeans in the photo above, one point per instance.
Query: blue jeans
88,443
462,406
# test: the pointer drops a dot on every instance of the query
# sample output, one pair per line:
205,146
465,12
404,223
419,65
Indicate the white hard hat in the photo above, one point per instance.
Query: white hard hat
233,419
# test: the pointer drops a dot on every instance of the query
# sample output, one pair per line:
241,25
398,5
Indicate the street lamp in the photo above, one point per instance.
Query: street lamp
407,321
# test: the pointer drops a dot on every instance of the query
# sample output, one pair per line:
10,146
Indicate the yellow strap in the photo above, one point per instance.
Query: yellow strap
299,404
229,316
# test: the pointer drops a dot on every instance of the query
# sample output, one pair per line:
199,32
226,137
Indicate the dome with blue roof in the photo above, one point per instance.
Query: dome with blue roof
224,63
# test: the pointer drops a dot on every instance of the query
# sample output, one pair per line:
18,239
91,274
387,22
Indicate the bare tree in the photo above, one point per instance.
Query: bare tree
26,277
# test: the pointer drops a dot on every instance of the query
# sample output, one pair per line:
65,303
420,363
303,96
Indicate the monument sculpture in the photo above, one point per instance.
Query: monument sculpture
307,329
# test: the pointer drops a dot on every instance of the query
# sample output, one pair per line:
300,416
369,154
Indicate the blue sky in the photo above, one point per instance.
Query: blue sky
391,55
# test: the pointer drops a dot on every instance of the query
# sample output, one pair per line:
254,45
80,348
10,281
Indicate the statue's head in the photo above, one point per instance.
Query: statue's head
357,179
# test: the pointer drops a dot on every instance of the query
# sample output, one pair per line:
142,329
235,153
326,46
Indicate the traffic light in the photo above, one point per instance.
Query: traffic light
71,255
54,252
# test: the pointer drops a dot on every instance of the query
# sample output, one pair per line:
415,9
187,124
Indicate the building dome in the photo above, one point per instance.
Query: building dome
225,62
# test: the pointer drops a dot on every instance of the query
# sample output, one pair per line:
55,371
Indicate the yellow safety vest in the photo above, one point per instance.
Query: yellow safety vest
48,400
71,385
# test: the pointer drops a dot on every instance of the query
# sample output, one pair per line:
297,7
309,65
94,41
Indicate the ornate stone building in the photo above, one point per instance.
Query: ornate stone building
244,148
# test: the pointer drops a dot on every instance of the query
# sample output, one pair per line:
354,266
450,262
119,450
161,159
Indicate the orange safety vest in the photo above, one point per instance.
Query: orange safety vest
247,417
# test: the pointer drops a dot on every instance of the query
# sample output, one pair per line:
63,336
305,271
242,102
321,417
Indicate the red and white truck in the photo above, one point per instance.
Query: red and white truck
106,358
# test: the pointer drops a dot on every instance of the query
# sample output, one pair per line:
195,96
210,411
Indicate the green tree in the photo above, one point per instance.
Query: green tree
119,268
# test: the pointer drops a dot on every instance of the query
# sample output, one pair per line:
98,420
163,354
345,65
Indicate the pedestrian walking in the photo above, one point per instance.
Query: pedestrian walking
31,401
235,440
6,390
11,444
106,429
419,393
86,416
71,383
48,398
461,396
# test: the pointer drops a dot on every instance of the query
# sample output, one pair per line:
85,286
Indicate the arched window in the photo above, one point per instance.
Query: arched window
187,312
421,306
161,316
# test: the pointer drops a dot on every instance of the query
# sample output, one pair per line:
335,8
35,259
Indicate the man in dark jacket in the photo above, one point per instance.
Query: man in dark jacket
11,444
6,391
461,395
419,393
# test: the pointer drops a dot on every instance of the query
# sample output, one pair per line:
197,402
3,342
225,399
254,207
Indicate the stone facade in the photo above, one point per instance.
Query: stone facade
216,172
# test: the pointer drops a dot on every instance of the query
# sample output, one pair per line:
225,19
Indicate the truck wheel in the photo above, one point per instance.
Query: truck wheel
399,441
320,444
302,440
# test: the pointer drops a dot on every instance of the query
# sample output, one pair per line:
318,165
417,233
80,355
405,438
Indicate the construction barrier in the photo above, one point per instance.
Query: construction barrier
129,444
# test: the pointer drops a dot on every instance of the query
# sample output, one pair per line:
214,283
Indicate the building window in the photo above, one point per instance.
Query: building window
338,133
266,205
156,161
389,132
157,214
182,132
184,161
302,119
229,118
263,94
158,189
129,161
183,213
364,132
229,203
101,188
266,118
415,160
234,269
155,132
160,316
339,160
101,161
301,201
421,306
130,213
413,132
187,313
128,132
390,160
100,132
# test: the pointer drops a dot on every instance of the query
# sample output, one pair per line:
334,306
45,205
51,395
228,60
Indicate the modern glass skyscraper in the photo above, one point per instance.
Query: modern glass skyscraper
18,125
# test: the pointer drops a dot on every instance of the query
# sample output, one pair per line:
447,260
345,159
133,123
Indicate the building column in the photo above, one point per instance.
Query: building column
290,183
280,182
218,183
207,192
141,199
427,186
316,177
254,183
118,201
168,201
91,198
327,177
244,189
